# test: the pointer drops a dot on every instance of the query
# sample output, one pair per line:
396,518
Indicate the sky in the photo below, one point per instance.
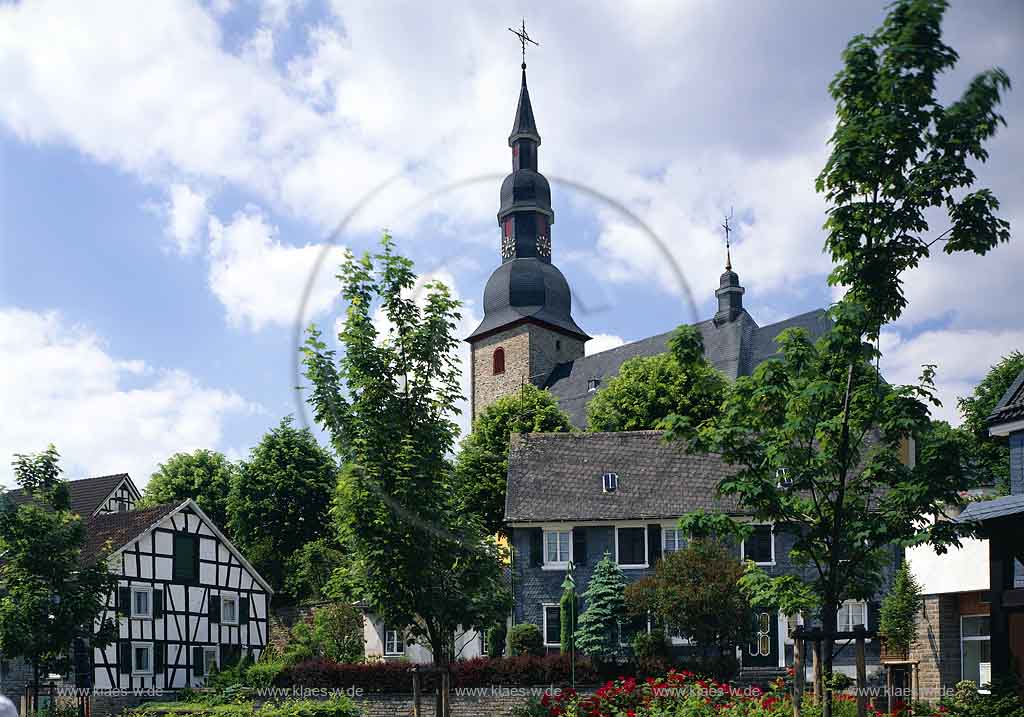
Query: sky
173,175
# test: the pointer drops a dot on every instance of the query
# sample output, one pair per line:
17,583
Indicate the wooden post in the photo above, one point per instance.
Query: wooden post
1000,578
798,674
889,706
915,684
862,675
819,684
415,690
446,707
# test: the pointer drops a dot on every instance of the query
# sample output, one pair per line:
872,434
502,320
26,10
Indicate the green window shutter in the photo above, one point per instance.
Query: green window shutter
124,657
158,657
579,546
186,558
213,610
653,544
243,611
124,601
158,602
197,661
536,547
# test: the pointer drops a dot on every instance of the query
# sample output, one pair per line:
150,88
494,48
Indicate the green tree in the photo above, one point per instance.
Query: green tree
388,404
821,415
696,591
482,464
48,598
338,629
568,614
648,389
989,456
280,499
600,625
900,608
308,572
203,475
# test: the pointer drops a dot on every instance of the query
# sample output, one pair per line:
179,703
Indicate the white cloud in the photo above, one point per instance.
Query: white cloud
963,357
105,414
185,214
260,280
603,342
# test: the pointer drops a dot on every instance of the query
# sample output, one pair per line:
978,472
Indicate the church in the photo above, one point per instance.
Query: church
573,497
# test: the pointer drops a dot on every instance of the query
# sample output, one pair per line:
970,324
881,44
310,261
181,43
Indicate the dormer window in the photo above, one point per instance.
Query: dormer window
593,383
610,482
498,361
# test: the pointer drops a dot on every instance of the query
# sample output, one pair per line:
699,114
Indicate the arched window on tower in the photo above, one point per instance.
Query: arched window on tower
498,361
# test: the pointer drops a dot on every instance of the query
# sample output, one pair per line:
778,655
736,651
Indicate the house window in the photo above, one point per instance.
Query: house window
552,625
142,602
498,361
631,547
852,613
186,557
142,658
976,649
557,547
672,540
610,482
211,660
229,609
393,643
593,383
760,546
123,506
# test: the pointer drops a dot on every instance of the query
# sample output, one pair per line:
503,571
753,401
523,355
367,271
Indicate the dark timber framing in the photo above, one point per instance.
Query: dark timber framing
184,616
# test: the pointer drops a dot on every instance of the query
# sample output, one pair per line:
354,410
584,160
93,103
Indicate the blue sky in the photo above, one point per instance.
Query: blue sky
169,173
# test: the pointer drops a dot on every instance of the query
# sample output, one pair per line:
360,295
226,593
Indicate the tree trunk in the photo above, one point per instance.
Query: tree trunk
439,646
35,686
828,642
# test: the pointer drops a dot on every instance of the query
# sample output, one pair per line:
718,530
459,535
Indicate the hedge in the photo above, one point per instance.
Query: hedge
522,670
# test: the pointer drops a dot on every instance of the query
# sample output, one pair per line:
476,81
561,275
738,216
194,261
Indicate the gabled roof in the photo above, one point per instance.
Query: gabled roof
1011,405
991,509
122,529
558,477
735,348
87,494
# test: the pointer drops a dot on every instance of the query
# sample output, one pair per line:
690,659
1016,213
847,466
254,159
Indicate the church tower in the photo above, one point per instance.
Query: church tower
527,327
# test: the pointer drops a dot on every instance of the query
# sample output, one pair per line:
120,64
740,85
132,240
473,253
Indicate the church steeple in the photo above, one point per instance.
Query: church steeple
729,293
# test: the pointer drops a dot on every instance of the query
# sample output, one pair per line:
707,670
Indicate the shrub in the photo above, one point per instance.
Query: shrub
496,639
336,706
263,673
525,639
650,644
338,632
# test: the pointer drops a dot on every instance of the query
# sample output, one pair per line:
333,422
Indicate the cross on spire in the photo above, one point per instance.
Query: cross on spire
728,230
524,38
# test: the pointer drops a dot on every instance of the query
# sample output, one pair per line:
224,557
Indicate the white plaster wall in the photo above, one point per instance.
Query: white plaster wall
958,570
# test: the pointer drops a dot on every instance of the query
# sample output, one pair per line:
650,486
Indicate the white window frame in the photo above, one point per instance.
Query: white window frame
399,642
680,538
226,597
609,482
148,646
558,564
148,615
647,548
849,626
211,650
743,545
974,638
544,623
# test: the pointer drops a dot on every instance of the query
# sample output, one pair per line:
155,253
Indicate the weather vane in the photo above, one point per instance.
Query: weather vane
523,39
728,230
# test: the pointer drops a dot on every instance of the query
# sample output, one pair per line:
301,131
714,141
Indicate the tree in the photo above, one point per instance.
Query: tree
280,499
600,625
695,590
388,404
203,475
338,629
648,389
568,612
48,598
482,464
900,608
821,414
989,456
308,572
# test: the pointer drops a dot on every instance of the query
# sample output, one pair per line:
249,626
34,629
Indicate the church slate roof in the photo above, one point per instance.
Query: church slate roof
735,348
1011,405
558,477
87,494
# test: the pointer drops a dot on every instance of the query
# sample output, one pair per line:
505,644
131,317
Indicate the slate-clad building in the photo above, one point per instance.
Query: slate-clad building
186,598
573,497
